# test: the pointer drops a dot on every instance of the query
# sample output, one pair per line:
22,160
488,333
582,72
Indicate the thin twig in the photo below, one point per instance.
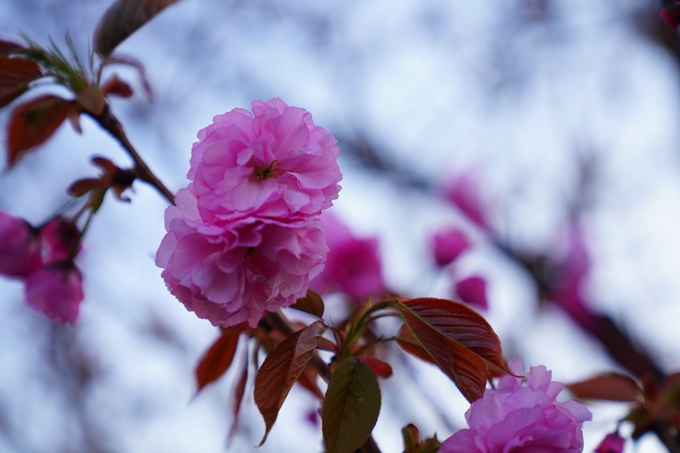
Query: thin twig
110,123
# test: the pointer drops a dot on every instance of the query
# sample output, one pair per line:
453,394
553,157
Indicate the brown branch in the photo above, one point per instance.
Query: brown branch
110,123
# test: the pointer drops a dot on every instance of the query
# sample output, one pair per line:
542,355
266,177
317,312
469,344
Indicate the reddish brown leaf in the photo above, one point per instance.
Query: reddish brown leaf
9,46
281,369
463,366
83,186
15,75
461,324
239,391
217,360
380,368
122,19
610,386
312,303
116,87
414,349
308,380
32,123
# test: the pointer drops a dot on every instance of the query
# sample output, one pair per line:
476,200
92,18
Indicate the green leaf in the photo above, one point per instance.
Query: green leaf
312,303
218,359
122,19
32,123
351,407
15,75
281,369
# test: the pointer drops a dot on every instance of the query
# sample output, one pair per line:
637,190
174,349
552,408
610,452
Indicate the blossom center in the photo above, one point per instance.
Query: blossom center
266,172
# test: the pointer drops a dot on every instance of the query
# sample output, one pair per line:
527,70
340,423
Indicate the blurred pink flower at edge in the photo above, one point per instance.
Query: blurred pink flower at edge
19,247
352,265
521,417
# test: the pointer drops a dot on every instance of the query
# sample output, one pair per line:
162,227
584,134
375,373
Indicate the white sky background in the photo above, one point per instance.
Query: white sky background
442,87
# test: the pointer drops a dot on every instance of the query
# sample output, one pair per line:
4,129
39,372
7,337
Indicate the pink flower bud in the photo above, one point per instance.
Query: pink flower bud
352,264
59,237
56,290
19,247
612,443
472,291
448,245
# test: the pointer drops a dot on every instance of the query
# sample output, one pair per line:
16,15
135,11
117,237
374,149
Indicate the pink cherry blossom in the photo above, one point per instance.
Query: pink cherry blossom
612,443
273,162
19,247
352,265
448,244
521,418
56,290
472,291
230,272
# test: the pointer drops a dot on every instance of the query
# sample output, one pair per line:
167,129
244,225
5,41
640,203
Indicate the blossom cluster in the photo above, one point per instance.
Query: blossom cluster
43,259
245,237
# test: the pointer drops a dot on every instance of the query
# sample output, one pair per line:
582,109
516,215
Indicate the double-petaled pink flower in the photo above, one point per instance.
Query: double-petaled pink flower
273,162
518,418
244,236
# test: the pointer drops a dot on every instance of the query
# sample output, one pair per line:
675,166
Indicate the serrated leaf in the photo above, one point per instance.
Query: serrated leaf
610,386
217,359
351,407
407,344
122,19
32,123
462,365
312,303
15,75
461,324
280,370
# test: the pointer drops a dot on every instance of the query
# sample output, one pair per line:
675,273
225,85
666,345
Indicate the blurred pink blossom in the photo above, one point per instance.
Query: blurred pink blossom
19,247
352,265
273,163
56,290
612,443
230,272
517,418
463,193
448,244
472,291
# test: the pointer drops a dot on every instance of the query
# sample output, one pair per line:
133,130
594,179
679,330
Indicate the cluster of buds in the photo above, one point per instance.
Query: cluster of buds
43,258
